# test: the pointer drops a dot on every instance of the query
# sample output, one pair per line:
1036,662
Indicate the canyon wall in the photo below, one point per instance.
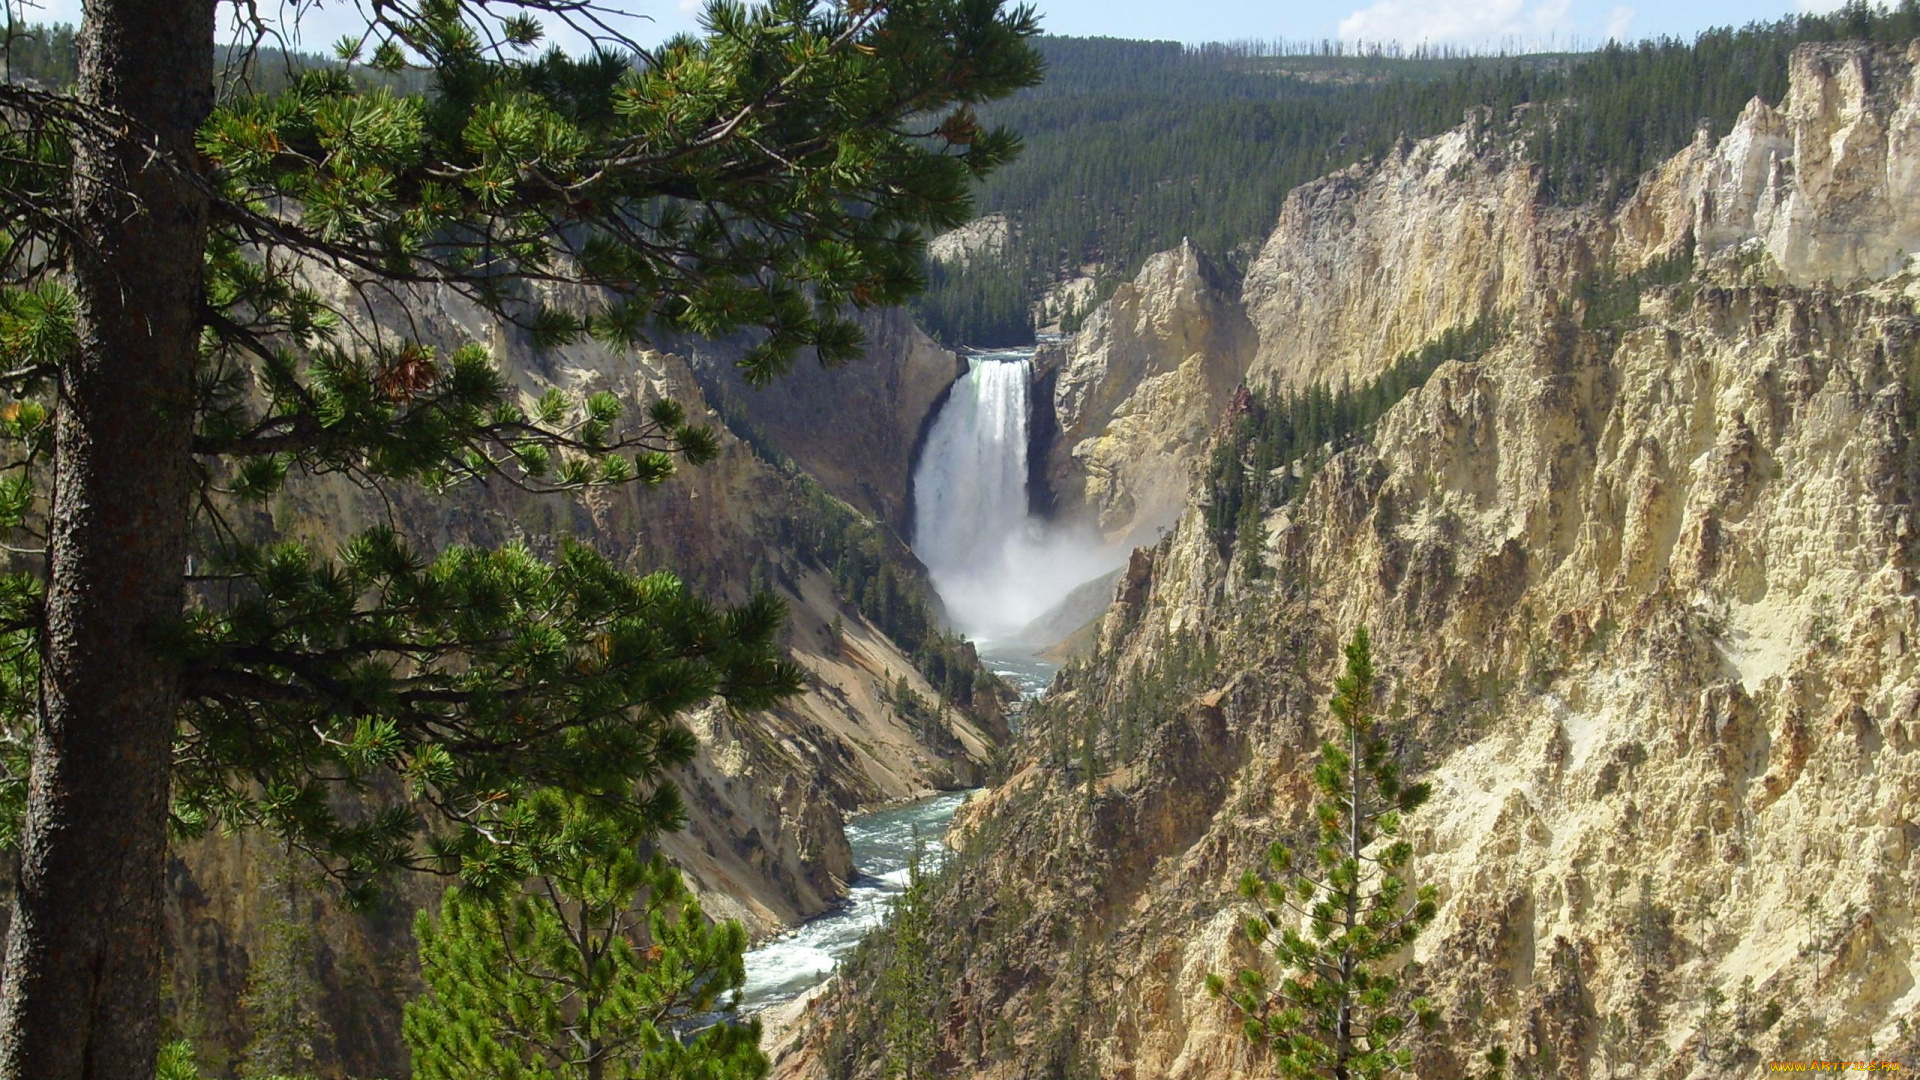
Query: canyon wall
1641,582
1363,266
1135,392
1376,260
855,427
768,792
1827,184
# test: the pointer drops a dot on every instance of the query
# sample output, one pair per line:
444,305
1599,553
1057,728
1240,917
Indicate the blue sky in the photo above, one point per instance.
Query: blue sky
1469,22
1531,23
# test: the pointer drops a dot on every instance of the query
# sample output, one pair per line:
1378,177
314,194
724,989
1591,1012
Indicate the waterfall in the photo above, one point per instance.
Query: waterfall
995,566
971,486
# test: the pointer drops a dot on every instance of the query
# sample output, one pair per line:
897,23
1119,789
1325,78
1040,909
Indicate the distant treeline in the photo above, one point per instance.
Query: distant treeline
48,55
1133,145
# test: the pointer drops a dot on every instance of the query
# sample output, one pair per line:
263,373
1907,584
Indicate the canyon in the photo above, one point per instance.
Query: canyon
1640,574
1639,568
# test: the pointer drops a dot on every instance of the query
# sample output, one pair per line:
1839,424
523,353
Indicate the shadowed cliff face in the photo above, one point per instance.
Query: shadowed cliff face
1642,587
855,427
767,793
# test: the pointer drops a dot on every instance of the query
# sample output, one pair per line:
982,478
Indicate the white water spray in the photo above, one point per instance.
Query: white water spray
996,567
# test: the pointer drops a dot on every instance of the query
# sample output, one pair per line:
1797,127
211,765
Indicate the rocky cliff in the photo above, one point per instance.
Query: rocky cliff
1135,392
768,792
855,428
1373,261
1642,578
1827,184
1362,266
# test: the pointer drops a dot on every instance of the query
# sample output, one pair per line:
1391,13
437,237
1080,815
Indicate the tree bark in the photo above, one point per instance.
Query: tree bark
81,992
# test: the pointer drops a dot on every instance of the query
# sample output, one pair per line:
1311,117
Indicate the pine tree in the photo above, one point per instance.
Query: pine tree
176,1062
170,244
1250,542
602,968
908,988
282,995
1337,1011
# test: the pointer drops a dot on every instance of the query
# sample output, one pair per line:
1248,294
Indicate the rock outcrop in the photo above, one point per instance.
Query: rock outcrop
1363,266
1827,184
1643,588
986,237
1135,392
1374,261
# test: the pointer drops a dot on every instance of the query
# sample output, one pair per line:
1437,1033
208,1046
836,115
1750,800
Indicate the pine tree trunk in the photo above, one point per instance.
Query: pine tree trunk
1343,1036
82,977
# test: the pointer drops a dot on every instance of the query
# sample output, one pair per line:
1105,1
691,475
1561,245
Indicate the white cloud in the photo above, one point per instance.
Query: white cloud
1618,20
1460,22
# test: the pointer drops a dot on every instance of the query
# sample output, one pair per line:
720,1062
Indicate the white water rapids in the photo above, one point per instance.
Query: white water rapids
883,845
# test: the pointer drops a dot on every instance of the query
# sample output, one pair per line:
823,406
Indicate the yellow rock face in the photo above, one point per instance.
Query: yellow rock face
1645,595
1827,184
1138,390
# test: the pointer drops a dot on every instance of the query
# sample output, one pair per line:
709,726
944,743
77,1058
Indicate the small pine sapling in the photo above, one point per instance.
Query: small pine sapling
1337,1010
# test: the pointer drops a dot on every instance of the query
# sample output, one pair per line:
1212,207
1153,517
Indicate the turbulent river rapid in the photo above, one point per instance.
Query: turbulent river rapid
787,966
882,842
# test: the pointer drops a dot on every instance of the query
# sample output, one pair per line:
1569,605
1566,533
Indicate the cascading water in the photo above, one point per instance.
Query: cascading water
970,488
996,567
883,845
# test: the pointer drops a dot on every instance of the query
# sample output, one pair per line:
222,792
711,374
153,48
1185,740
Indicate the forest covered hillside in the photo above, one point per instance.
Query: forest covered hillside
1132,146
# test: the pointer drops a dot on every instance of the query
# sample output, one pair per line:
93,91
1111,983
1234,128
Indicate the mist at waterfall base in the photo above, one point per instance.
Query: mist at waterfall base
996,567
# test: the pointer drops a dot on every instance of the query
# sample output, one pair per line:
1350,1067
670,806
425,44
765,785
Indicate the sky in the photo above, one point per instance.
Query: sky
1531,24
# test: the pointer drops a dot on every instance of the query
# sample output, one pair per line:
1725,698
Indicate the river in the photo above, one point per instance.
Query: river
997,567
785,967
790,965
1028,673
